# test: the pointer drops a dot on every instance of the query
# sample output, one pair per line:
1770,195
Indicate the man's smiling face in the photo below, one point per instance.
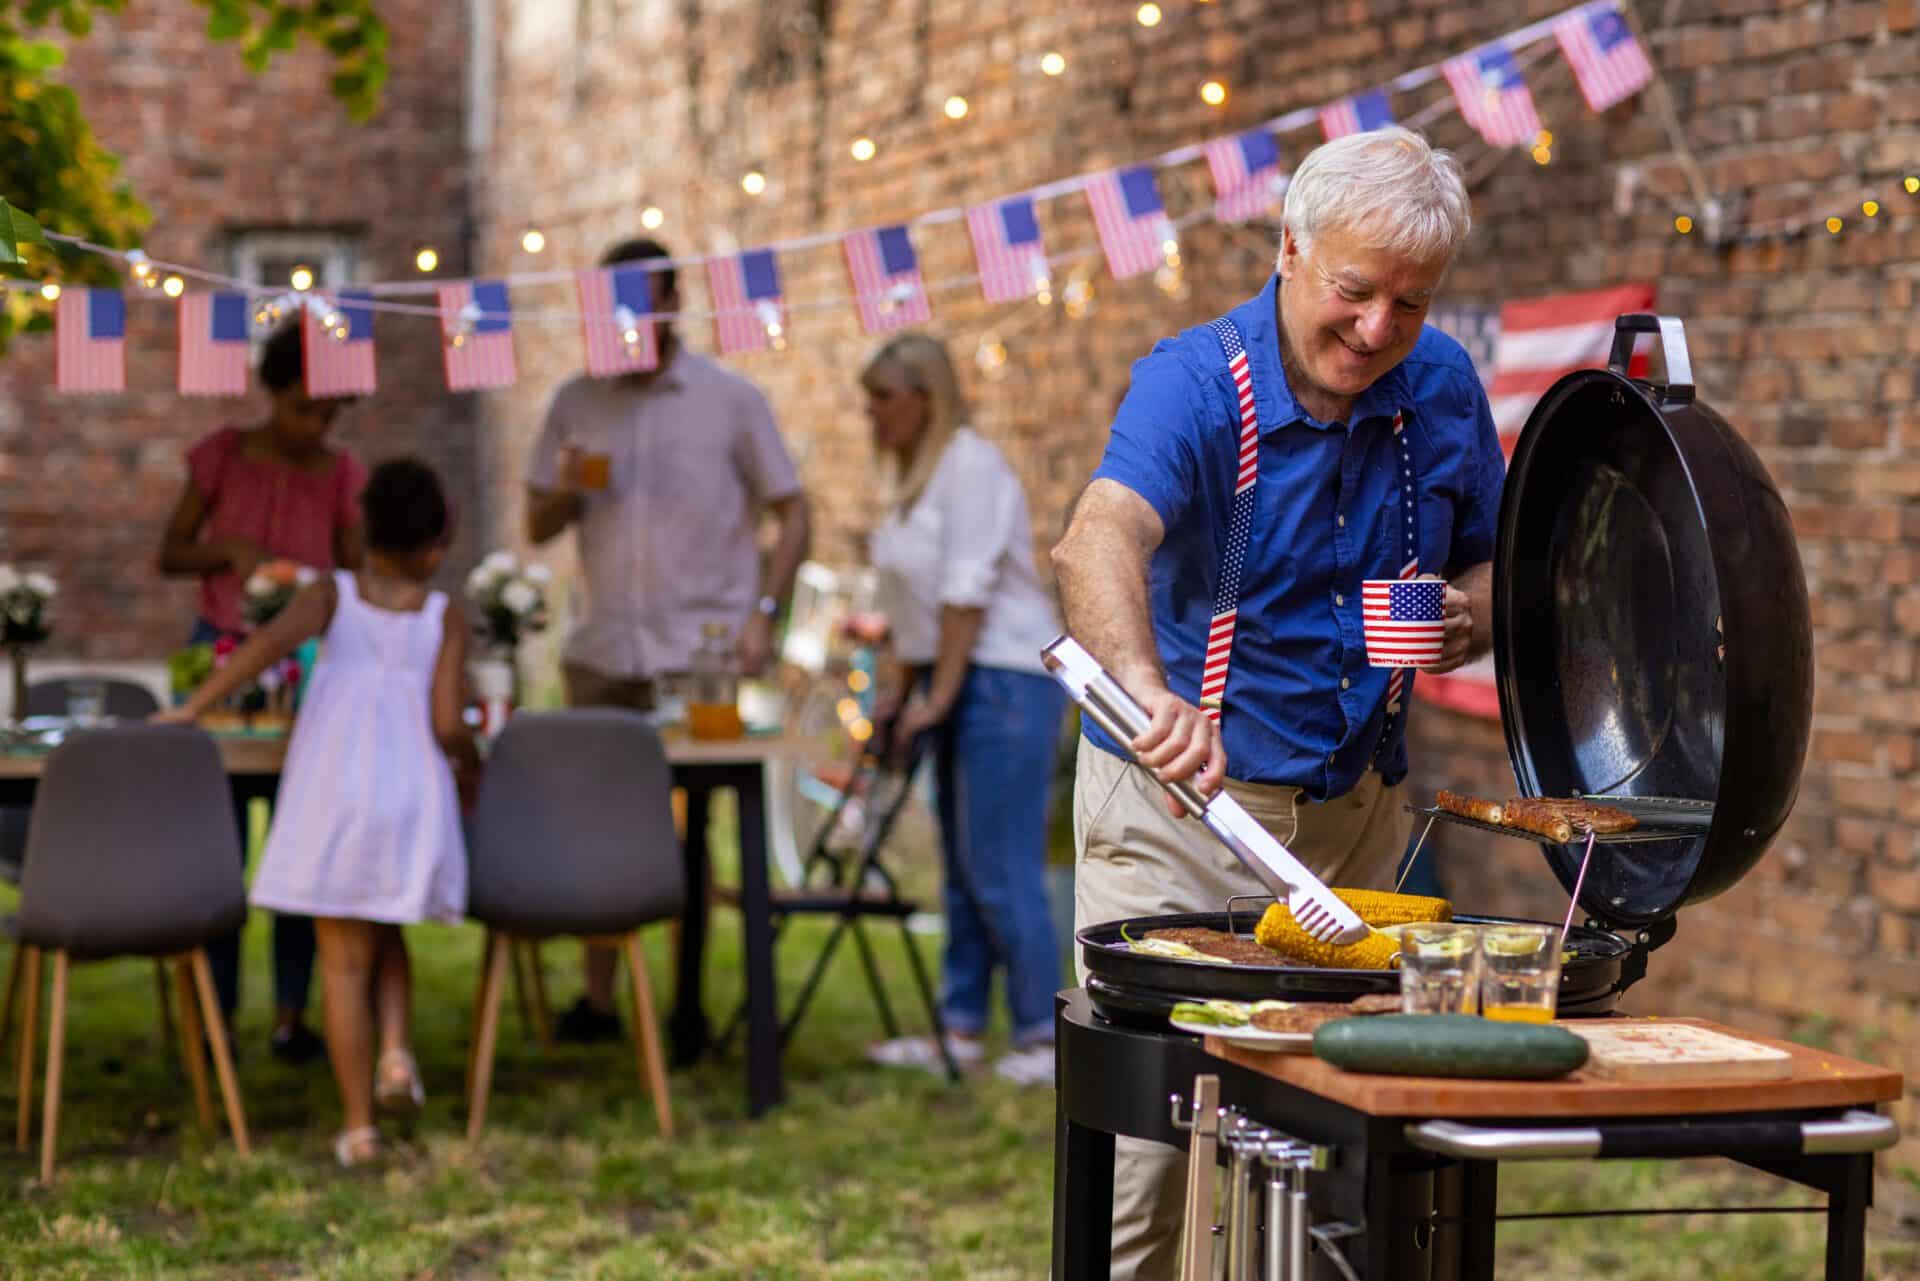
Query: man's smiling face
1350,312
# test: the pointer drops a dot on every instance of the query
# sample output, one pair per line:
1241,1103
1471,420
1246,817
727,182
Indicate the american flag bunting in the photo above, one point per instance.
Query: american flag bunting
338,366
1493,96
1247,181
214,344
477,349
749,312
616,304
1362,113
1133,225
887,289
1607,61
1007,245
90,341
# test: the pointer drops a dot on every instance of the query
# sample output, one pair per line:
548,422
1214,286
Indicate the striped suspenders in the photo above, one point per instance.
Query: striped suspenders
1226,600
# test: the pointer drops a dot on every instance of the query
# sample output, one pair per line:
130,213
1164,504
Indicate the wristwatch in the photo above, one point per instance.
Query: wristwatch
767,605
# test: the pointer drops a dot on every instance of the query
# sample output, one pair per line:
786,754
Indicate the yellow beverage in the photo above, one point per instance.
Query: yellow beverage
714,720
1518,1013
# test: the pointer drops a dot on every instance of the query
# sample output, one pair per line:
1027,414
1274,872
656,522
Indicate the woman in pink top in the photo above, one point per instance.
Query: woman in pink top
274,491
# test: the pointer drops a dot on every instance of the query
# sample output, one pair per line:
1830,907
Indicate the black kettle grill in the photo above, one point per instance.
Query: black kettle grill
1653,650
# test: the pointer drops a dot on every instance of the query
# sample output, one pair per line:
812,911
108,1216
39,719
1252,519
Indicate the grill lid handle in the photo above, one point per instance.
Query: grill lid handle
1673,345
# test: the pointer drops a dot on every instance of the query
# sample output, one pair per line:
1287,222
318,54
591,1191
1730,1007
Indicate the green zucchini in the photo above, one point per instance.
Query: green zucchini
1449,1045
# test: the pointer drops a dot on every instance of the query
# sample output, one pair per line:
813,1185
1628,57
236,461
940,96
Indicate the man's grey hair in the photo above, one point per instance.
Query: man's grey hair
1387,187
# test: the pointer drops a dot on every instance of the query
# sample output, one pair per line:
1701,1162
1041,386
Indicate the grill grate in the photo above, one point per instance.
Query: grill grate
1662,818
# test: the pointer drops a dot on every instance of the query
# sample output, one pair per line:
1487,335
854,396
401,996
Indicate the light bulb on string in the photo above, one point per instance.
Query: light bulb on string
1053,64
465,321
1147,15
1213,93
301,278
956,107
896,296
1171,281
173,286
862,149
1542,154
139,264
1870,208
652,217
1912,184
753,182
1042,288
50,291
533,240
628,322
330,319
769,316
1077,298
1834,225
991,357
426,258
1683,224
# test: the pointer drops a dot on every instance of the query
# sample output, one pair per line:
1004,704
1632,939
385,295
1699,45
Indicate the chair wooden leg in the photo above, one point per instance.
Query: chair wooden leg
56,1059
479,1009
490,986
520,1002
29,1046
166,1007
13,994
190,1035
222,1053
537,984
646,1035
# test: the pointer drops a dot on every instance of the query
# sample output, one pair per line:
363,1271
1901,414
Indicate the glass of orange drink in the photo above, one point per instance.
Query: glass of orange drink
1519,972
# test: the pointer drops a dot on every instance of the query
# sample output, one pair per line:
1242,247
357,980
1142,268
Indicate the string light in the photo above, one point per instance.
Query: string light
1871,208
51,291
651,217
629,322
464,323
1077,298
174,287
340,332
427,259
862,149
301,278
1542,154
1834,225
1683,224
1054,64
330,320
770,320
1147,15
956,107
533,240
139,264
1213,93
1544,138
991,357
753,182
1912,185
1042,288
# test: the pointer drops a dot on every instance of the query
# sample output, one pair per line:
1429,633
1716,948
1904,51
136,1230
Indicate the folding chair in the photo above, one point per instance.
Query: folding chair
847,880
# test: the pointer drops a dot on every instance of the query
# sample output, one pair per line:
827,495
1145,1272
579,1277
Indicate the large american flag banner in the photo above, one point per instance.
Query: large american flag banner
1362,113
1402,621
749,312
1493,96
887,289
1007,245
90,341
1607,61
1133,225
616,325
213,345
478,351
338,366
1247,181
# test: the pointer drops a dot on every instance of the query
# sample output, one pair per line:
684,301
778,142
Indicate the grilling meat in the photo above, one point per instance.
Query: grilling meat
1542,820
1228,947
1303,1016
1469,806
1585,814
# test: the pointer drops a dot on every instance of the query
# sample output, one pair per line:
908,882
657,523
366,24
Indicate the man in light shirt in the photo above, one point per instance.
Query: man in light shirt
665,476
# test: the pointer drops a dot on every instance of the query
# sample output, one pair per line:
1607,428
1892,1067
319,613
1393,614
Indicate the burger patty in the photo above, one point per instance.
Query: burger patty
1228,947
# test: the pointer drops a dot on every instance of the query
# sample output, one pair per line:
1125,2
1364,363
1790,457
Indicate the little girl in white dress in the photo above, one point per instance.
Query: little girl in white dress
366,829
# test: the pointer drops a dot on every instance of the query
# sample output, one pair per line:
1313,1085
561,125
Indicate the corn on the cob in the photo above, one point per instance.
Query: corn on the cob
1380,907
1279,931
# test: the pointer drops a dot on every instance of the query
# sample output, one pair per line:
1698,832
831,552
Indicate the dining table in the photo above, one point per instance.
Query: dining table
700,766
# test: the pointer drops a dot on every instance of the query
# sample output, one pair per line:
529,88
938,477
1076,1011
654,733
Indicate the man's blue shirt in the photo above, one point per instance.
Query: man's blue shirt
1301,705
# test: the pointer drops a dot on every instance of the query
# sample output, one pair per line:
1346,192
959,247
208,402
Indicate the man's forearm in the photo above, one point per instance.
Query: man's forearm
549,512
790,548
1102,577
1477,583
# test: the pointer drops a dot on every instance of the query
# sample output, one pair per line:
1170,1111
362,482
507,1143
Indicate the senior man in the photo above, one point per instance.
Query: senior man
1215,561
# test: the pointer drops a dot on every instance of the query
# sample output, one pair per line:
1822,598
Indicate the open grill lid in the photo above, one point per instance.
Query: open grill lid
1651,630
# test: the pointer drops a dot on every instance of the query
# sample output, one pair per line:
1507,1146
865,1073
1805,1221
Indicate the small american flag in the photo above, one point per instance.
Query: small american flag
1134,228
887,289
1607,61
213,345
338,366
1006,242
1493,96
479,351
90,341
615,305
1402,621
1362,113
1247,181
749,313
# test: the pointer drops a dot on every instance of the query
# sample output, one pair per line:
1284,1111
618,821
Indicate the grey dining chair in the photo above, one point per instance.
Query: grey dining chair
572,835
125,700
131,852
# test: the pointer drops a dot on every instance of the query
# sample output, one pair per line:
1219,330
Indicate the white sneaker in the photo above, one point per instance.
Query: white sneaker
920,1052
1031,1066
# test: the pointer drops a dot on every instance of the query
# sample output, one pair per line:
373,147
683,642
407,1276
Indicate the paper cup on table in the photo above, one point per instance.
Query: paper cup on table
1401,618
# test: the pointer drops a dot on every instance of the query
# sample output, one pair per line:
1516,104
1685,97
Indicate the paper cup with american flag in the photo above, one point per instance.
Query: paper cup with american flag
1402,620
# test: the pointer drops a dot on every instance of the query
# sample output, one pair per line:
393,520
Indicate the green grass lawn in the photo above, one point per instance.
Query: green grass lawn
863,1174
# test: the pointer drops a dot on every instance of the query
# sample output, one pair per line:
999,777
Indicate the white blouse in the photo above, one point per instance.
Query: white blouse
968,541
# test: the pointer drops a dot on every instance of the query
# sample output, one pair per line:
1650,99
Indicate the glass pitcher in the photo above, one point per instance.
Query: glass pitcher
713,686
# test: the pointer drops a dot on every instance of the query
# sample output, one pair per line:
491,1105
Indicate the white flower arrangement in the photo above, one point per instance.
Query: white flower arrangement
509,599
270,588
24,598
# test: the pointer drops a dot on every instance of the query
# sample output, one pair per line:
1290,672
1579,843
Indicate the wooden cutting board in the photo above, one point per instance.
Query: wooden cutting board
1659,1050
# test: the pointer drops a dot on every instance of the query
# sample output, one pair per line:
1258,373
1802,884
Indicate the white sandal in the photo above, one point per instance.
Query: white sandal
920,1052
357,1147
397,1086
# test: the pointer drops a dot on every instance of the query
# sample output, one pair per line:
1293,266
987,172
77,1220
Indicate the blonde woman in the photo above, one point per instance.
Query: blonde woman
954,557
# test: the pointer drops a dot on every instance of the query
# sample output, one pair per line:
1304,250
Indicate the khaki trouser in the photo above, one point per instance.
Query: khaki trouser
1135,859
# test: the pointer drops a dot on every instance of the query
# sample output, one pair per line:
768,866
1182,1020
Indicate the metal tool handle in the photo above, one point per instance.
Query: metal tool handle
1196,1261
1854,1132
1673,345
1111,708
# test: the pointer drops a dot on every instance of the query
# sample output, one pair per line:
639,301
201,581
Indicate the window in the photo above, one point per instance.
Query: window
269,257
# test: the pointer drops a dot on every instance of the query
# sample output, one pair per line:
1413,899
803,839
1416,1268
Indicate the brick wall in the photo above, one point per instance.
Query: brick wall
86,483
1806,343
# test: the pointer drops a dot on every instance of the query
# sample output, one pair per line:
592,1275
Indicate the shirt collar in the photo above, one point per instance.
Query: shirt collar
1258,321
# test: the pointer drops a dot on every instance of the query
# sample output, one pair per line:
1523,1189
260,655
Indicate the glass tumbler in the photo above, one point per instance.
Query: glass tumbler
1438,971
1519,972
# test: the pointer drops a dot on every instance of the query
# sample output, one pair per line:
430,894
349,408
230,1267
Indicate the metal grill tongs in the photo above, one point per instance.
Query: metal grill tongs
1110,707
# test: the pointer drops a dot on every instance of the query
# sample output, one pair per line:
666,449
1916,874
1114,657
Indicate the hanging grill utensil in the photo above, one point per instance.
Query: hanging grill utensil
1313,905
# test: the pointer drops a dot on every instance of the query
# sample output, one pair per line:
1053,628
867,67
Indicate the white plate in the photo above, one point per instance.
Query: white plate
1251,1038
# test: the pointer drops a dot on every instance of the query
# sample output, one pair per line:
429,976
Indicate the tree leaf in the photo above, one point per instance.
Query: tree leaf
17,228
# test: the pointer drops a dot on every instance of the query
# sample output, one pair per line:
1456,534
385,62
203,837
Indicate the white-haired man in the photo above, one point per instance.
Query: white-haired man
1215,561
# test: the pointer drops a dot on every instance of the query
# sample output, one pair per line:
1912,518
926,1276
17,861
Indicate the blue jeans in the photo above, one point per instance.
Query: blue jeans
993,766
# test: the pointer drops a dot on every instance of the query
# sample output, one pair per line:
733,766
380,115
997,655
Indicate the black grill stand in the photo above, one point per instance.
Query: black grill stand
1421,1197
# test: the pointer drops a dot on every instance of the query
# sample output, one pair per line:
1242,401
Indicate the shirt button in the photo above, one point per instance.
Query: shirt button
1340,520
1338,599
1344,682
